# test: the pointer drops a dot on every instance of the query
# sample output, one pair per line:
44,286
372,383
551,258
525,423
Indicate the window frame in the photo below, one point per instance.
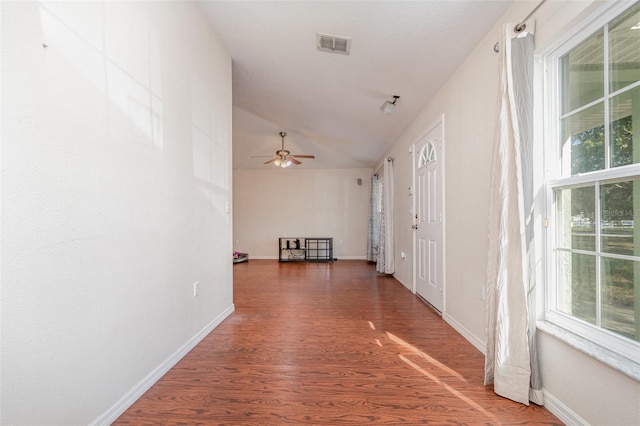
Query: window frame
554,180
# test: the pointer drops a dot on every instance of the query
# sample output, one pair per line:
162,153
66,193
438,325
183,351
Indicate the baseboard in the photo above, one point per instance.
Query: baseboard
551,403
127,400
259,257
465,332
561,411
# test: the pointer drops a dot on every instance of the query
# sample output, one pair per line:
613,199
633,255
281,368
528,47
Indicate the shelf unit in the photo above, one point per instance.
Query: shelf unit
305,249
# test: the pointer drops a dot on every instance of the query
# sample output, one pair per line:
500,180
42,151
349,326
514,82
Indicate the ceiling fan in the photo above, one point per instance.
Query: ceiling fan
284,158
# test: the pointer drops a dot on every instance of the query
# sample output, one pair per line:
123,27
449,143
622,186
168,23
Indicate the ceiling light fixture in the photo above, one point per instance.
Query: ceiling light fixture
284,158
283,163
388,106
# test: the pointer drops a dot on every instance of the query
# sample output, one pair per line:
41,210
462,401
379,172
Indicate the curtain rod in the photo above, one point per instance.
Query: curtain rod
521,26
389,159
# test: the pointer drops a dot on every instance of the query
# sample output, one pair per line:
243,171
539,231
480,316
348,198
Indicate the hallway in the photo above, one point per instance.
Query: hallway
328,344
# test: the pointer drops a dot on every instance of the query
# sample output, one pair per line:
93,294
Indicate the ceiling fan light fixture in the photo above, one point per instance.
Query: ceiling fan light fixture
285,158
389,106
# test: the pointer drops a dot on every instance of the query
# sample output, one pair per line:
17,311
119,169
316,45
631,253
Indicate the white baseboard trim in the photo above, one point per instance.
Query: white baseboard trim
127,400
551,403
465,332
561,411
258,257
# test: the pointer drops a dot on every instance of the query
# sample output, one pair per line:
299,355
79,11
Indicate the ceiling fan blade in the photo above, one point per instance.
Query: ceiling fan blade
302,156
293,160
272,160
261,156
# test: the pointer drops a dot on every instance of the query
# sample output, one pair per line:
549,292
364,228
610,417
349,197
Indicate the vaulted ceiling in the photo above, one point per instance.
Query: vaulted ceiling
329,103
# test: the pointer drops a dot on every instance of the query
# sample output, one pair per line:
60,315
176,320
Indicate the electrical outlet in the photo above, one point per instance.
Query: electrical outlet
195,289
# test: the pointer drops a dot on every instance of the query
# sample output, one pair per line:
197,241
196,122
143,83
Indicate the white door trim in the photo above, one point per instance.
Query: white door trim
412,149
439,121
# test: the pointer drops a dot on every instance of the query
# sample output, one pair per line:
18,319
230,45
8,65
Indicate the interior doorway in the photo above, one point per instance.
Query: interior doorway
429,216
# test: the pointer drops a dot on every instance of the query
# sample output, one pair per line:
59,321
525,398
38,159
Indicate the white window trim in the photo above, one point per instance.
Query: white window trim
606,356
617,351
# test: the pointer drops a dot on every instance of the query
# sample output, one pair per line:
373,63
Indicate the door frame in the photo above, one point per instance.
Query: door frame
414,156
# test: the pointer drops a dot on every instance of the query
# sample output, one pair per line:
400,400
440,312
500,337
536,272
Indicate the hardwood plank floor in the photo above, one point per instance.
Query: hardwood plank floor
328,344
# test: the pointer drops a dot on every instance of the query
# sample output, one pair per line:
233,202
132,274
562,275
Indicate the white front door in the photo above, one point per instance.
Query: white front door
429,234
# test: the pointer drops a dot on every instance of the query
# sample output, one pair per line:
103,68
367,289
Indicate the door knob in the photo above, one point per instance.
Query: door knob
414,226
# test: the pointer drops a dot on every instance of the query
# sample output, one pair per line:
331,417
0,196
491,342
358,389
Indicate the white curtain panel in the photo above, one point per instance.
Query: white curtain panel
382,253
389,264
385,262
373,238
511,356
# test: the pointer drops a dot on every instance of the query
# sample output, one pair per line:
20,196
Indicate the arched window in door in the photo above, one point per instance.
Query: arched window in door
427,155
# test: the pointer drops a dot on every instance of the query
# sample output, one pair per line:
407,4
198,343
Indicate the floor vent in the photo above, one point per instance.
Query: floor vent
335,44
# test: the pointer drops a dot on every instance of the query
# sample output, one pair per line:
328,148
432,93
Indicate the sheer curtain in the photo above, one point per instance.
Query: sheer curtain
375,210
511,358
385,263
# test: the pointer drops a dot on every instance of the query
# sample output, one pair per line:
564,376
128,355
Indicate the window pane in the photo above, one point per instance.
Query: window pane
582,73
617,214
583,141
596,258
618,286
576,228
624,49
577,285
623,109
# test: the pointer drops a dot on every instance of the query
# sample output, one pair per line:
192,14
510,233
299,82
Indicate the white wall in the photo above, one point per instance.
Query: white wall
116,150
584,389
274,203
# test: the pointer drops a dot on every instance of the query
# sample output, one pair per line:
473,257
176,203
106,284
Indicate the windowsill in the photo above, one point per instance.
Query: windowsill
619,363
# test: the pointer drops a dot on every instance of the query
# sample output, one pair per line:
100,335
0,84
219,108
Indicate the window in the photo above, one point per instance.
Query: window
427,154
594,189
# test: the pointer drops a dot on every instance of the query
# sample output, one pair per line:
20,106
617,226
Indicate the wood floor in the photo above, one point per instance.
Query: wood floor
328,344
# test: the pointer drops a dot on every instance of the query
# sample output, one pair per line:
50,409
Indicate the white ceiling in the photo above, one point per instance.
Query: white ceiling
329,104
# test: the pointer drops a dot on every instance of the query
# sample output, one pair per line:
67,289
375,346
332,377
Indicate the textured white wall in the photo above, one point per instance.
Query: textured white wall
116,150
275,203
592,391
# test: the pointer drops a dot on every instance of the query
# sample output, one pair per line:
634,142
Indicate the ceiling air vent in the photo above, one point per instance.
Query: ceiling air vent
335,44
